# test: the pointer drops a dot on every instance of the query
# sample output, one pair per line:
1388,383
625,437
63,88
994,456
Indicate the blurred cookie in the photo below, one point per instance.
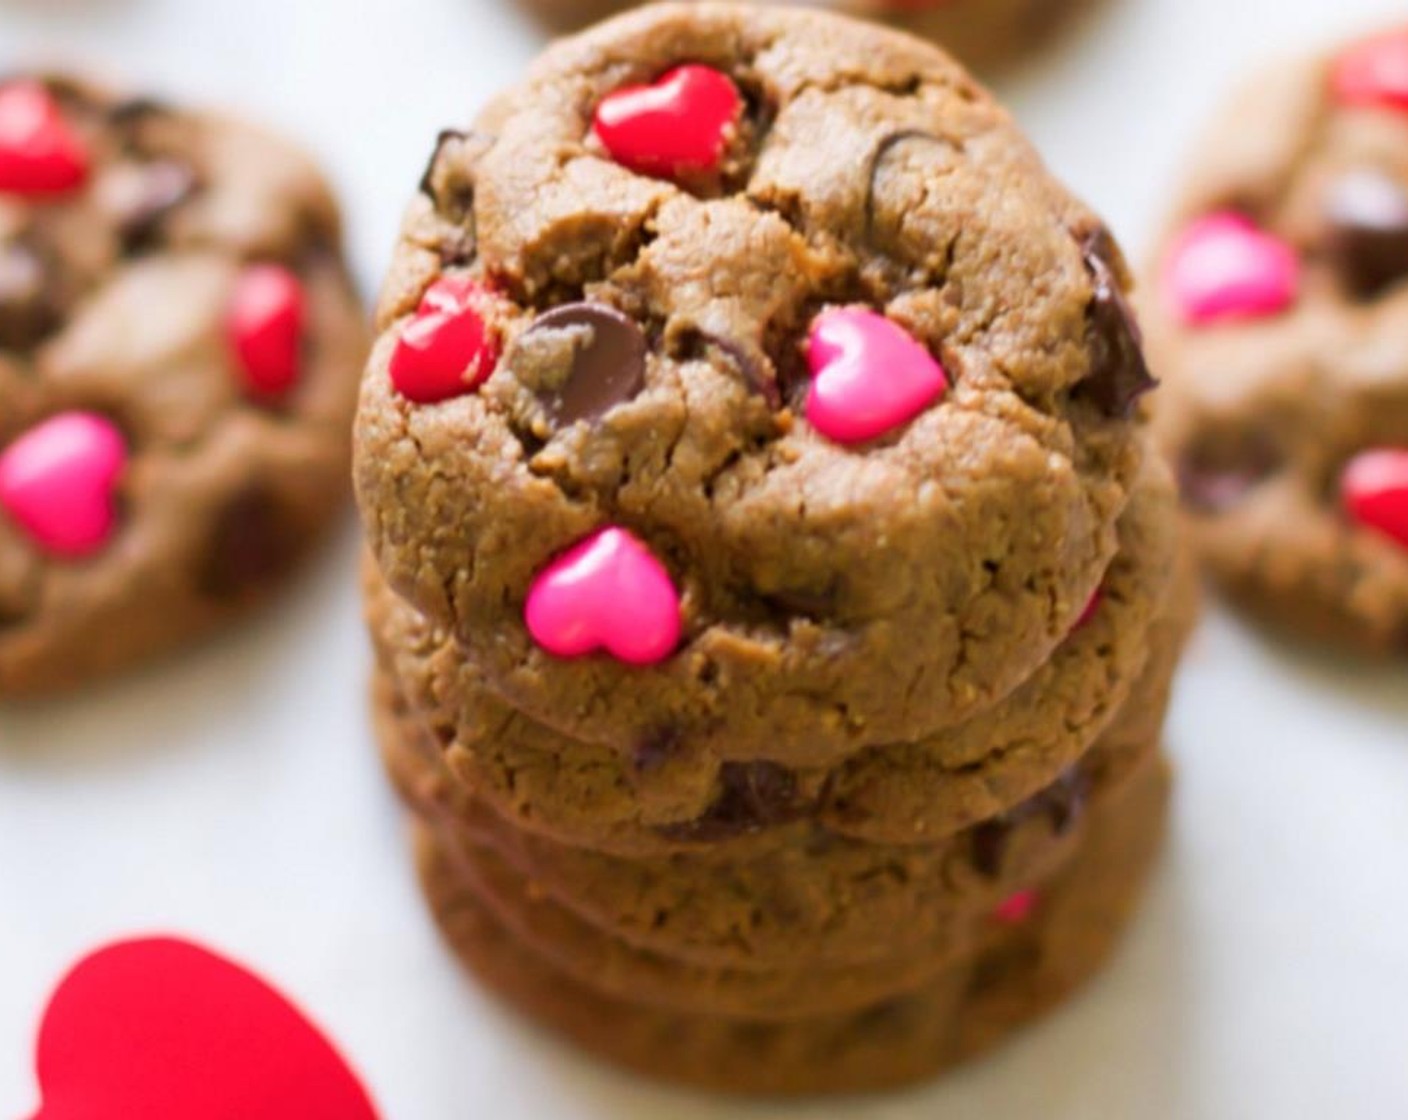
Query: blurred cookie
179,346
1278,316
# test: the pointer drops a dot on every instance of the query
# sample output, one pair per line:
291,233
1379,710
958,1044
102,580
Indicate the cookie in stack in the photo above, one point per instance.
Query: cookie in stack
774,599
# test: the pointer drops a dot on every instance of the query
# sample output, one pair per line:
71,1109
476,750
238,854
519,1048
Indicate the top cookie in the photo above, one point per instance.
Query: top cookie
1280,315
179,346
744,374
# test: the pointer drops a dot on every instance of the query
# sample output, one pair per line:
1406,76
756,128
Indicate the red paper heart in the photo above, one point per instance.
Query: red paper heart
161,1029
676,126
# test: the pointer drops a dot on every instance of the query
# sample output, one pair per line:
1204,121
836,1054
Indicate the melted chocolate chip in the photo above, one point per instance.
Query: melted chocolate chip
754,796
1062,803
877,161
1119,375
585,358
754,367
27,307
1367,213
1217,476
255,540
139,196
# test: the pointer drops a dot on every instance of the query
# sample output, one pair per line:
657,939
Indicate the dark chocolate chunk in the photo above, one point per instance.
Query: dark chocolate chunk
27,307
1119,375
254,541
589,358
754,796
1367,213
1061,802
138,196
1216,476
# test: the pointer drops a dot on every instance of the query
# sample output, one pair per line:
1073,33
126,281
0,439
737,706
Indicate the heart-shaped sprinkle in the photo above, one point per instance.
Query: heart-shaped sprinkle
450,346
606,593
1367,213
58,482
1374,489
869,375
1223,267
164,1030
1090,610
1374,72
677,126
39,153
585,358
264,323
1016,909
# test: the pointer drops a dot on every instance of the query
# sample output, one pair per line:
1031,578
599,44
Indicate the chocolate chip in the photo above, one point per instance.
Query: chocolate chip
877,161
132,110
1062,803
446,137
255,540
1217,475
1367,212
139,196
652,752
754,796
583,359
27,307
755,369
1119,375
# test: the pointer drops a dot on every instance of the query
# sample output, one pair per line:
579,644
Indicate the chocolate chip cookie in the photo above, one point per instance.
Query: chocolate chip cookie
669,796
179,345
865,442
981,33
1279,314
1040,946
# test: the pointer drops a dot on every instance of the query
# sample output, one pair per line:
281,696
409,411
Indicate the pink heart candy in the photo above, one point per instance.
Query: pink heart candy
869,375
608,592
160,1029
1016,909
58,482
1223,267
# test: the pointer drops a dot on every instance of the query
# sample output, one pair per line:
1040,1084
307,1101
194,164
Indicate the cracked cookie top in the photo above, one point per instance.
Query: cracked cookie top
745,377
179,342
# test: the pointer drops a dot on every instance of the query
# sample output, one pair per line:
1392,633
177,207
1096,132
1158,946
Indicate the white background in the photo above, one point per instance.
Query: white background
233,795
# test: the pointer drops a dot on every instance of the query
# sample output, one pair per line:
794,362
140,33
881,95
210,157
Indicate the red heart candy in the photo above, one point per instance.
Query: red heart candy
39,154
676,126
607,593
450,347
58,482
161,1029
869,375
1374,489
264,323
1374,72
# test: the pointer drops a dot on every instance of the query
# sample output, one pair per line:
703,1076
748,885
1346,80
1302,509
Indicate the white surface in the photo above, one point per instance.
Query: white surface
234,795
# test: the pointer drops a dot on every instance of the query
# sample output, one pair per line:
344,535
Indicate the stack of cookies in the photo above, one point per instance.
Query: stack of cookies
774,596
